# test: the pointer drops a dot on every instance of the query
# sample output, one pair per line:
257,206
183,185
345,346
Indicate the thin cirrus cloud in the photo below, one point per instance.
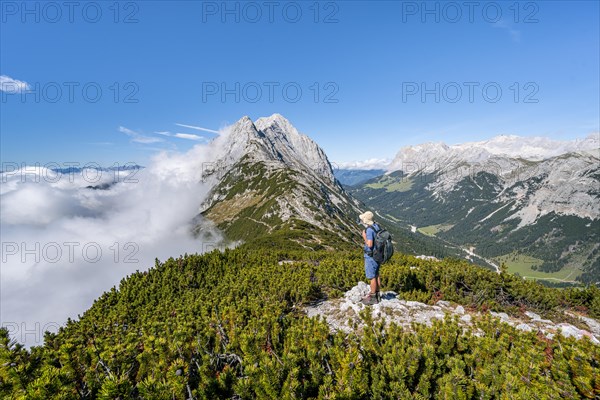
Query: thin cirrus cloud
198,128
138,137
514,33
188,136
12,86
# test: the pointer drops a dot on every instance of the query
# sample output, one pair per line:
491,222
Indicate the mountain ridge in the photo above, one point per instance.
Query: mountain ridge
271,178
505,146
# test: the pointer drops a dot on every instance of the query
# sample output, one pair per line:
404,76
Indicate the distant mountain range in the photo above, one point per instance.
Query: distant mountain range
78,170
532,203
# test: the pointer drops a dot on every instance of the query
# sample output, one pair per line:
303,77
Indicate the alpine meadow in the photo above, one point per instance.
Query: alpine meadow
300,200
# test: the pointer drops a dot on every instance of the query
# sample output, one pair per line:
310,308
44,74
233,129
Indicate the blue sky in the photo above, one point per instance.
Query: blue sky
360,66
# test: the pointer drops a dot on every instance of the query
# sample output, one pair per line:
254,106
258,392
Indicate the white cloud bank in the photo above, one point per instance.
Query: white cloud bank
372,163
53,229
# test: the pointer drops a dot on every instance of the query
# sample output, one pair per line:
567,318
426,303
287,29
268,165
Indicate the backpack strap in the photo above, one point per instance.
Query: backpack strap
374,229
370,252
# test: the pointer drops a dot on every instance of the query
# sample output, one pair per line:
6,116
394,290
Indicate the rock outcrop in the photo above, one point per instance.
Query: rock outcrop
342,314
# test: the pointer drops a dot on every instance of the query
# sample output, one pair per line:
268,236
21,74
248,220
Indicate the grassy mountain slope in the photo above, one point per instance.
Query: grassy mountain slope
255,200
471,215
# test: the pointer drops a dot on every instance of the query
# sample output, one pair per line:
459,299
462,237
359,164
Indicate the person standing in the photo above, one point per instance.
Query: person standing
371,266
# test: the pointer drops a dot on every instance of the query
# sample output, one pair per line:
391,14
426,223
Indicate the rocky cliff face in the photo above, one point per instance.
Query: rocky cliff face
271,178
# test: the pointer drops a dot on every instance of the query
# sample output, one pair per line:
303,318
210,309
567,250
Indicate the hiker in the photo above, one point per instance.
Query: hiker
371,266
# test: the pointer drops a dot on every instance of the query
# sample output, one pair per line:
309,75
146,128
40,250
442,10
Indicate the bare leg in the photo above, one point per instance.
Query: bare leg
374,285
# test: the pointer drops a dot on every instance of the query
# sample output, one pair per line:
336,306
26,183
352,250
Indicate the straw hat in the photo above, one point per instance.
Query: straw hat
366,218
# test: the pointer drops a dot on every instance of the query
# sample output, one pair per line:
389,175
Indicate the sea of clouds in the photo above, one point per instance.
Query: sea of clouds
63,243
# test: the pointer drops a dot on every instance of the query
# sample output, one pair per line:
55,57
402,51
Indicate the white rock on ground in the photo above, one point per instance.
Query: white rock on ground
343,313
532,315
591,323
524,327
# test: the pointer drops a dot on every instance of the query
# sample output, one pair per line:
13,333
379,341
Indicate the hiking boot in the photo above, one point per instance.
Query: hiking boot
369,299
378,296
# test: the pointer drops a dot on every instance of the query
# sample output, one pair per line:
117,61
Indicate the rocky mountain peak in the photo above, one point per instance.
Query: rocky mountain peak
276,142
276,120
273,178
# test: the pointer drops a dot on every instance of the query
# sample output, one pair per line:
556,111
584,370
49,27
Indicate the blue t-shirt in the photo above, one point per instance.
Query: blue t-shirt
371,236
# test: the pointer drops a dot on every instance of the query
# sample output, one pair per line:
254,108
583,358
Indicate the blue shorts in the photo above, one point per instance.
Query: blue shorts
371,267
